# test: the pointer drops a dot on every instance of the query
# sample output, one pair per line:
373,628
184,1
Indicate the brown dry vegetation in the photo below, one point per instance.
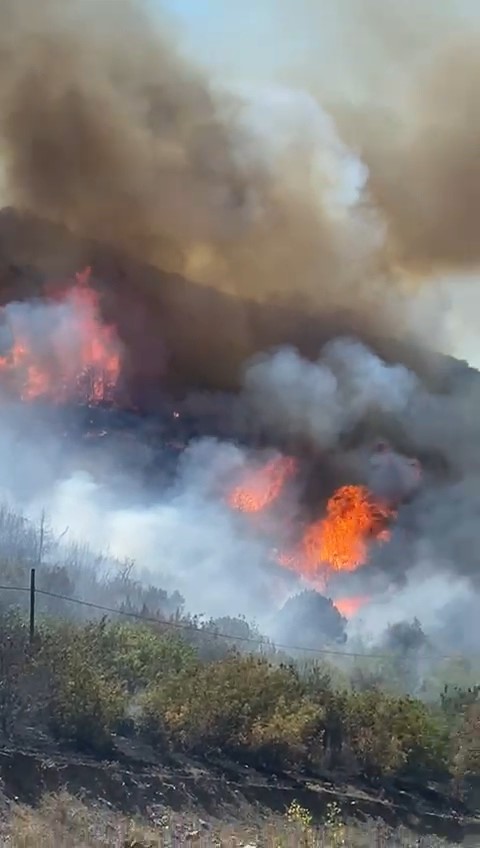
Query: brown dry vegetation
62,821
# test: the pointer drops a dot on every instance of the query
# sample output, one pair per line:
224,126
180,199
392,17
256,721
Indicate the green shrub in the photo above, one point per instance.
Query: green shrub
87,706
389,734
219,705
16,670
86,703
90,678
466,744
139,656
289,736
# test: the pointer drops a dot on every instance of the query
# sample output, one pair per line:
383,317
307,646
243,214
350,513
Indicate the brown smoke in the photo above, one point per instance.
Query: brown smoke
105,127
424,163
107,131
406,100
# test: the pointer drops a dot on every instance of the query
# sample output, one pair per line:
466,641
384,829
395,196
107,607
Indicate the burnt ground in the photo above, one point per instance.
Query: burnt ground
137,780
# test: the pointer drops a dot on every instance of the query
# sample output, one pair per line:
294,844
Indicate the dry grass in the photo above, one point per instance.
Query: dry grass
62,821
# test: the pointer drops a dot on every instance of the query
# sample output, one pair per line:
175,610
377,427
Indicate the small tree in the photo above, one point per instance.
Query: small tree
86,701
15,667
310,620
466,750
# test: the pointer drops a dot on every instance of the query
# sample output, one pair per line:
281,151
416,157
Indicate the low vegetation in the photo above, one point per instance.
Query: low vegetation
62,821
86,683
213,690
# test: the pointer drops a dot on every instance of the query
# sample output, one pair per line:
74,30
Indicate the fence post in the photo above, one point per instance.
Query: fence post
32,604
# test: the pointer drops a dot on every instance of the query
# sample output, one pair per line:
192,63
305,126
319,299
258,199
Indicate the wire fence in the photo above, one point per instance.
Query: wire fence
34,592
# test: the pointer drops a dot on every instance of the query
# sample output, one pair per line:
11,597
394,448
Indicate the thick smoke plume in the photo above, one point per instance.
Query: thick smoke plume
327,207
185,532
420,151
107,128
182,531
404,98
326,399
349,397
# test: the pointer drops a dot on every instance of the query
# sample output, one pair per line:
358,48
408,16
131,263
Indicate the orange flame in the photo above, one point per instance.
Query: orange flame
340,540
348,607
262,487
80,359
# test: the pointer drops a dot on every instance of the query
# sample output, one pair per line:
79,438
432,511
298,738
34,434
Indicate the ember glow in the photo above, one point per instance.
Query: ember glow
73,356
261,488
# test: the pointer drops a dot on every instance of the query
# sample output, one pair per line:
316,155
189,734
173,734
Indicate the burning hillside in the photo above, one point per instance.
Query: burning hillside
60,350
265,275
307,477
304,478
338,541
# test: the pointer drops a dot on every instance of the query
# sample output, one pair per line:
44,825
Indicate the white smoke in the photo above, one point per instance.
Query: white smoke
183,535
425,597
323,400
186,538
281,120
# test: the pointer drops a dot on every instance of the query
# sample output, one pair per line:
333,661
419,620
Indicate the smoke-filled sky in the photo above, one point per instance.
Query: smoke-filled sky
356,49
251,41
316,153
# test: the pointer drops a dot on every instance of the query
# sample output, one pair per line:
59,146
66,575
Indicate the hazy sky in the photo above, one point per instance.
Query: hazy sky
262,38
265,40
241,40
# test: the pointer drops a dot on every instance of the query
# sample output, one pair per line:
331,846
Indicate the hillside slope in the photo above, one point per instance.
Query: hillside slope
178,332
225,797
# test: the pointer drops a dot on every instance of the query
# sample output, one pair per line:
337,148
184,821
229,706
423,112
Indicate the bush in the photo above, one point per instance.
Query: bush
237,705
138,655
90,677
466,745
395,734
290,736
86,703
87,707
16,670
309,620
